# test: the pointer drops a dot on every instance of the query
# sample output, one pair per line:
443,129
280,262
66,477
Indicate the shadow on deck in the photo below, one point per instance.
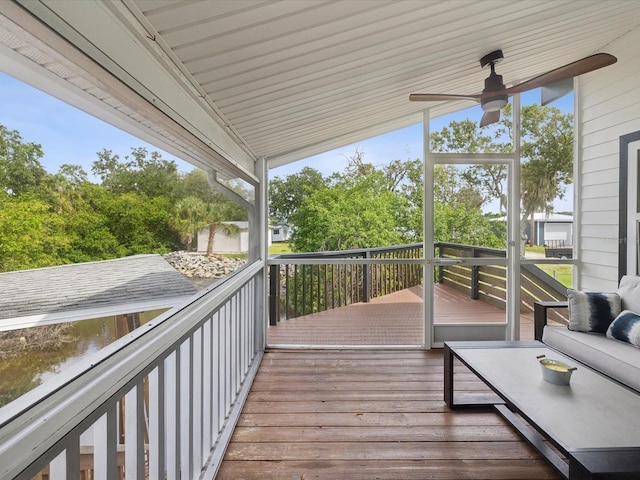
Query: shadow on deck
394,319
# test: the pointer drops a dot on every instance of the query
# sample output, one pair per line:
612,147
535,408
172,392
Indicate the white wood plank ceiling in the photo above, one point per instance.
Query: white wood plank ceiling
298,77
289,79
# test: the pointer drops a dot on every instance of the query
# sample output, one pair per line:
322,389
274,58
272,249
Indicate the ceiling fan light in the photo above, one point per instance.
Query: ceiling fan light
494,104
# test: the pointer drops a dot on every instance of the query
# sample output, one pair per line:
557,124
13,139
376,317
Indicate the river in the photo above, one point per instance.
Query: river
30,368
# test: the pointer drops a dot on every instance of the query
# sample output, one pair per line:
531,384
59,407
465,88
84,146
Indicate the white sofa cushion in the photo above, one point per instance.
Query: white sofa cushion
618,360
629,291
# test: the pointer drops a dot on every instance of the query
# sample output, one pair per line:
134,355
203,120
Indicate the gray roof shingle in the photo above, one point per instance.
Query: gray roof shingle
91,285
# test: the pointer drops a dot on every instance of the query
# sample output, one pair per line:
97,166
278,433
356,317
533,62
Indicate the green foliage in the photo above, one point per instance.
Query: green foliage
354,213
144,173
52,219
456,224
286,195
28,234
368,206
139,224
546,153
20,168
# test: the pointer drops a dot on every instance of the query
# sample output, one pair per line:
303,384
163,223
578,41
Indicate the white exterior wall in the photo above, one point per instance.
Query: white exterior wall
609,106
237,242
224,243
558,231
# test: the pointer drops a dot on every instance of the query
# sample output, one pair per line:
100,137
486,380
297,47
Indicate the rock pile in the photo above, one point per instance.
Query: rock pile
201,266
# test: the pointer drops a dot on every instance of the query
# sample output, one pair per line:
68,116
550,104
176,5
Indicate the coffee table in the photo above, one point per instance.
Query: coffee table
594,422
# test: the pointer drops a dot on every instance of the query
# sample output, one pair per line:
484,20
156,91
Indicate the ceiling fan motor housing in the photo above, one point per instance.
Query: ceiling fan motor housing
493,83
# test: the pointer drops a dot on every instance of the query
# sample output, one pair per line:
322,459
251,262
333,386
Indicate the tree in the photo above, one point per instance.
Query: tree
355,212
139,224
548,148
193,214
20,167
141,172
195,184
546,156
64,189
188,219
286,195
28,234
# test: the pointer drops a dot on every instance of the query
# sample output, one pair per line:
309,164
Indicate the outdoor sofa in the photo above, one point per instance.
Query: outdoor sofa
603,330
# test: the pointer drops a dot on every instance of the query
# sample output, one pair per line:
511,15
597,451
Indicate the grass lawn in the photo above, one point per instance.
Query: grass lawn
562,273
279,248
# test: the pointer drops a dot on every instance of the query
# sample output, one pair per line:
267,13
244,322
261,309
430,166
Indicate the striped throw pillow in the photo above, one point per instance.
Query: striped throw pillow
592,311
626,327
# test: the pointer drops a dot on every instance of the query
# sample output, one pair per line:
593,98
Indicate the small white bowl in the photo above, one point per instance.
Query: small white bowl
555,371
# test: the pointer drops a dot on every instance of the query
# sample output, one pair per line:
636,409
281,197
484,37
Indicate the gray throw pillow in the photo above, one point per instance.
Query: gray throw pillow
592,311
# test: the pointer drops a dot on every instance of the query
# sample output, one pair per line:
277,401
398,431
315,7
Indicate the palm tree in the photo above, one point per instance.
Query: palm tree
192,214
214,214
189,218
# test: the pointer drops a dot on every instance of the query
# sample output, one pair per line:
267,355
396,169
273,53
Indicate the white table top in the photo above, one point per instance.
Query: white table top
591,412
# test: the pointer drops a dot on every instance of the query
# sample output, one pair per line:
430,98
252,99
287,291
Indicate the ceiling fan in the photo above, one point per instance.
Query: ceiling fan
495,95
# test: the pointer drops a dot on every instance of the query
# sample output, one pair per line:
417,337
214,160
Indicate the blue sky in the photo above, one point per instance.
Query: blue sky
68,135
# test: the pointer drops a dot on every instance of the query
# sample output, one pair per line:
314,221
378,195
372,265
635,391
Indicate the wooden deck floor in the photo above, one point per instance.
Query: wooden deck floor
394,319
369,414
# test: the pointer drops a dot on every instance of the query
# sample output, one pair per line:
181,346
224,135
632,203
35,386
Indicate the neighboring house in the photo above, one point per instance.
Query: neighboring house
555,228
223,242
280,232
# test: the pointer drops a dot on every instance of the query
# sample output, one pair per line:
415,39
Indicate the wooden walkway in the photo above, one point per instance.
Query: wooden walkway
369,414
394,319
372,413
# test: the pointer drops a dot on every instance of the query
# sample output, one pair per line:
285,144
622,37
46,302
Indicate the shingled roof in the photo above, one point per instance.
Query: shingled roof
89,290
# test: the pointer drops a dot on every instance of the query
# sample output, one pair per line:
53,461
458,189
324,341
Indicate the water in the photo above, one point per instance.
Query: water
31,368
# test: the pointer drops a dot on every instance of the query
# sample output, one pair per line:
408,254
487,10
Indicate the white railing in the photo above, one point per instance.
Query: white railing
160,403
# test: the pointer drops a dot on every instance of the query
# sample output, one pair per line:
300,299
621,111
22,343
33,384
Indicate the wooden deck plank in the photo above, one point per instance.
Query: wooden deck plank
452,433
468,469
360,451
392,320
307,420
359,419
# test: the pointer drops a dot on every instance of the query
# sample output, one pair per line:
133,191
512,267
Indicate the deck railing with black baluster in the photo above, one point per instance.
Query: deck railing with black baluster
301,284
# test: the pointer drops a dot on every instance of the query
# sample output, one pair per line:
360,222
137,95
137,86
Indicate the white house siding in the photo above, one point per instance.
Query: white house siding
610,107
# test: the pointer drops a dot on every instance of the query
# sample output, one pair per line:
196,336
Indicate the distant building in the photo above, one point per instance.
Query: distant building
280,233
553,229
223,242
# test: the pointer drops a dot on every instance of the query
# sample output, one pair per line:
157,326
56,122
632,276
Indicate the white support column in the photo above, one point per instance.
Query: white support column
513,234
577,178
427,233
262,297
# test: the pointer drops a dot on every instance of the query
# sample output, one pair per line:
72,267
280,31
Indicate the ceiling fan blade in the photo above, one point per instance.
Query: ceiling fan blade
436,97
490,117
554,91
579,67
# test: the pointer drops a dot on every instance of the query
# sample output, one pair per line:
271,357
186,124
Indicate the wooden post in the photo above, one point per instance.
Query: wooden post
475,278
366,278
274,294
